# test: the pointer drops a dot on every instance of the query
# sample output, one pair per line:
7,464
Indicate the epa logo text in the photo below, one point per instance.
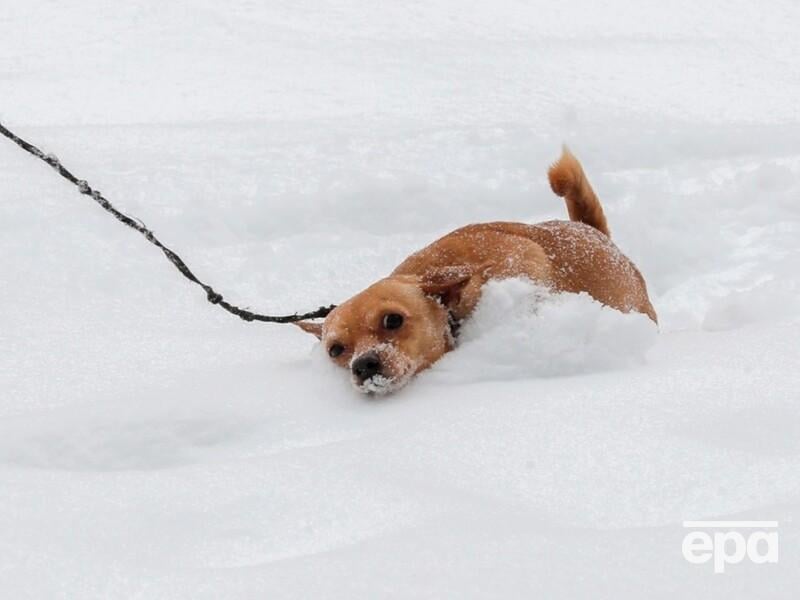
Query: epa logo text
729,542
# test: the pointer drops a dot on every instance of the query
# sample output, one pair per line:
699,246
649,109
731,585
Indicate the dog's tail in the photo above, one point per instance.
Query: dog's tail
569,181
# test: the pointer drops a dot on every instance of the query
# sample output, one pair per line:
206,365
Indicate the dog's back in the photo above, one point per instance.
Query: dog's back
569,256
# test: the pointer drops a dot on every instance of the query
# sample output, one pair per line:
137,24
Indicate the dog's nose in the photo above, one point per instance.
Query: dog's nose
366,365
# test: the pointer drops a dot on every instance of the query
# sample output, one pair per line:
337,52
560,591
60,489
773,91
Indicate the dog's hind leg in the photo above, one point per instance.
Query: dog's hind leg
569,181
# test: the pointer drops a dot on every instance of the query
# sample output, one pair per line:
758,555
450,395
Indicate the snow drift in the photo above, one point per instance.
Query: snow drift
520,330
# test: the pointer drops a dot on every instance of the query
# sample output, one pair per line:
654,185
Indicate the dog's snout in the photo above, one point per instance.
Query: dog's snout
366,365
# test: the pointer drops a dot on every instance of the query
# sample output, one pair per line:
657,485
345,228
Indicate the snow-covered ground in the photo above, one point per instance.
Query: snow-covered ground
152,446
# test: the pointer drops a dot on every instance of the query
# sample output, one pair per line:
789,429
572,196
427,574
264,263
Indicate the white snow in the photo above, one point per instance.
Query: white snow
520,331
152,446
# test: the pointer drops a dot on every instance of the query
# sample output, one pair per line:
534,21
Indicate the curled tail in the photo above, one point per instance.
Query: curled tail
569,181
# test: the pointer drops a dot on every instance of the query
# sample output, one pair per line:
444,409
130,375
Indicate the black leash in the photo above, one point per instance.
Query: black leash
134,223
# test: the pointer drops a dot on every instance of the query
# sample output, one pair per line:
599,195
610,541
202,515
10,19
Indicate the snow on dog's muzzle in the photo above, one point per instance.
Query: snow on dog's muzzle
381,370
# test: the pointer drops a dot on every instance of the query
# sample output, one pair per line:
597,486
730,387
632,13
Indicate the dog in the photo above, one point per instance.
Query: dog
404,323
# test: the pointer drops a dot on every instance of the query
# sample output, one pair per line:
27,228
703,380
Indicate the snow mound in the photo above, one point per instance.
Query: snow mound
522,330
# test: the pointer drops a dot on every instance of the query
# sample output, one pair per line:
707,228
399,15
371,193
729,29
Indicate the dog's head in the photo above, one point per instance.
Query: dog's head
397,326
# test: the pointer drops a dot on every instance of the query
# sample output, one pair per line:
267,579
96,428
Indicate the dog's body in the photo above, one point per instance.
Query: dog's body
402,324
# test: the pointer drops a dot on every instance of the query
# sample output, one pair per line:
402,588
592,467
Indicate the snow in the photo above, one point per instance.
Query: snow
152,446
521,331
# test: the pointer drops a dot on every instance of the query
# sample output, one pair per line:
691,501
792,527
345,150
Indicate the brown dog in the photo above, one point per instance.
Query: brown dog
404,323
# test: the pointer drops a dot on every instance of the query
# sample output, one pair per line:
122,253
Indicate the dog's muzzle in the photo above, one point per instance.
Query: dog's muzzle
365,366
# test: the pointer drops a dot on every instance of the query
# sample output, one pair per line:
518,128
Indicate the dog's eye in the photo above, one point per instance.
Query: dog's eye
335,350
392,321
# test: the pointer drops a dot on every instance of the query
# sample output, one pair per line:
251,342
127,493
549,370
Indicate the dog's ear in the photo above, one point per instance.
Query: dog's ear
457,287
310,327
445,283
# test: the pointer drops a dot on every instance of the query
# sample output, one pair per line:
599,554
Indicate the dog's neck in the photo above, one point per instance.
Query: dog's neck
453,326
453,323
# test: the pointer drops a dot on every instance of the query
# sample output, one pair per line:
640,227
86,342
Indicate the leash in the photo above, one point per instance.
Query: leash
211,295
